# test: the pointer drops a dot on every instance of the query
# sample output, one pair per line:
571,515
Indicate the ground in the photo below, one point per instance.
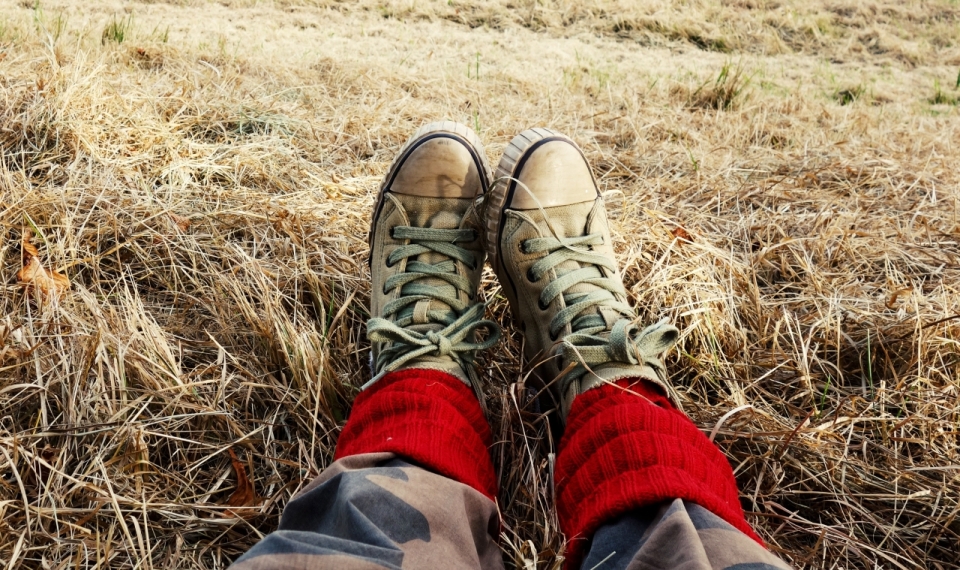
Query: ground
184,199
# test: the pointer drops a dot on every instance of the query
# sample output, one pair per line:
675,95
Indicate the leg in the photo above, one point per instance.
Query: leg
413,485
628,452
639,486
380,509
678,534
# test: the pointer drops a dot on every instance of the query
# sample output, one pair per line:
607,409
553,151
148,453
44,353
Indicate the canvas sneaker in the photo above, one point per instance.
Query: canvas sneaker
549,242
426,255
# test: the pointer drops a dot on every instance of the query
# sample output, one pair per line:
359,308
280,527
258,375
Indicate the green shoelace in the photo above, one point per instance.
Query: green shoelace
593,342
437,332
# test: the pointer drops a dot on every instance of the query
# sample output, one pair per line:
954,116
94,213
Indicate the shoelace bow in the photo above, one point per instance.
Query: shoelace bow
623,342
454,326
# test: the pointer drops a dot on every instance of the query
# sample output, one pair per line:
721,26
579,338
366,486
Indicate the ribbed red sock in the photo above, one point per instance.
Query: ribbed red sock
626,447
428,417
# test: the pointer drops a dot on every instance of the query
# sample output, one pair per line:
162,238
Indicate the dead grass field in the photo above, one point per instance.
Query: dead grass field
783,177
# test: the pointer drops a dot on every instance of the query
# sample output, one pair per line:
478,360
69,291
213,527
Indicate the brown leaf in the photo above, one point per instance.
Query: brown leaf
682,234
892,301
27,249
182,223
244,495
39,279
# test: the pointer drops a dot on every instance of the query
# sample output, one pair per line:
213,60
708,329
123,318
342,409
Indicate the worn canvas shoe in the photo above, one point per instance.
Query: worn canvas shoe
426,255
548,237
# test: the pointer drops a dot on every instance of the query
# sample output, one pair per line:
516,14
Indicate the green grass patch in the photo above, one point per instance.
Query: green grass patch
117,30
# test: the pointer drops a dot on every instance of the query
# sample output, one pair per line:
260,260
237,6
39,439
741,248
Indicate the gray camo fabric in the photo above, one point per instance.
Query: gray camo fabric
377,511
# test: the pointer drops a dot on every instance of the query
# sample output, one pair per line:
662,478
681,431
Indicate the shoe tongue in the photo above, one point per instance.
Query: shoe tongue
440,213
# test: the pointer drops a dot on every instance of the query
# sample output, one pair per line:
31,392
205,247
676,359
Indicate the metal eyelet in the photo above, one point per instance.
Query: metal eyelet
530,276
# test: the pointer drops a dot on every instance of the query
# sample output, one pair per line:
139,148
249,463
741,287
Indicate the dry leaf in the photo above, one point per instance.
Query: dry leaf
182,223
27,249
681,234
892,301
244,495
37,278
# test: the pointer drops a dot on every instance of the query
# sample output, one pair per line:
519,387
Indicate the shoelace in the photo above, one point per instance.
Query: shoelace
623,341
454,326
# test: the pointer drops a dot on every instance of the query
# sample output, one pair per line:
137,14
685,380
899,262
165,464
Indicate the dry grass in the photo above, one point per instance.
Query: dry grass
202,173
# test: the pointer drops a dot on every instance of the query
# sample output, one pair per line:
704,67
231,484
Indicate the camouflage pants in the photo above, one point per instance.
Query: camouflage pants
376,511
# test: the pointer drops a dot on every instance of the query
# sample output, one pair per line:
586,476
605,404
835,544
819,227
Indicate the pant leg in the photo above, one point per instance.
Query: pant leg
412,486
377,510
677,534
638,482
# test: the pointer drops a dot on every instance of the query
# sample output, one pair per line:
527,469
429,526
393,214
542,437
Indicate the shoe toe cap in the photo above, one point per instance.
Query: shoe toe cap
555,173
440,167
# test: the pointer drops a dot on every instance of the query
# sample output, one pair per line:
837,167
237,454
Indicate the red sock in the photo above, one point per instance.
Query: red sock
428,417
622,452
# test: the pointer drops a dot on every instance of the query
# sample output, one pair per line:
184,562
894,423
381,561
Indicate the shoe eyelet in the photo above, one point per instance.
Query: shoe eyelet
554,337
522,247
385,290
388,264
530,276
542,306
